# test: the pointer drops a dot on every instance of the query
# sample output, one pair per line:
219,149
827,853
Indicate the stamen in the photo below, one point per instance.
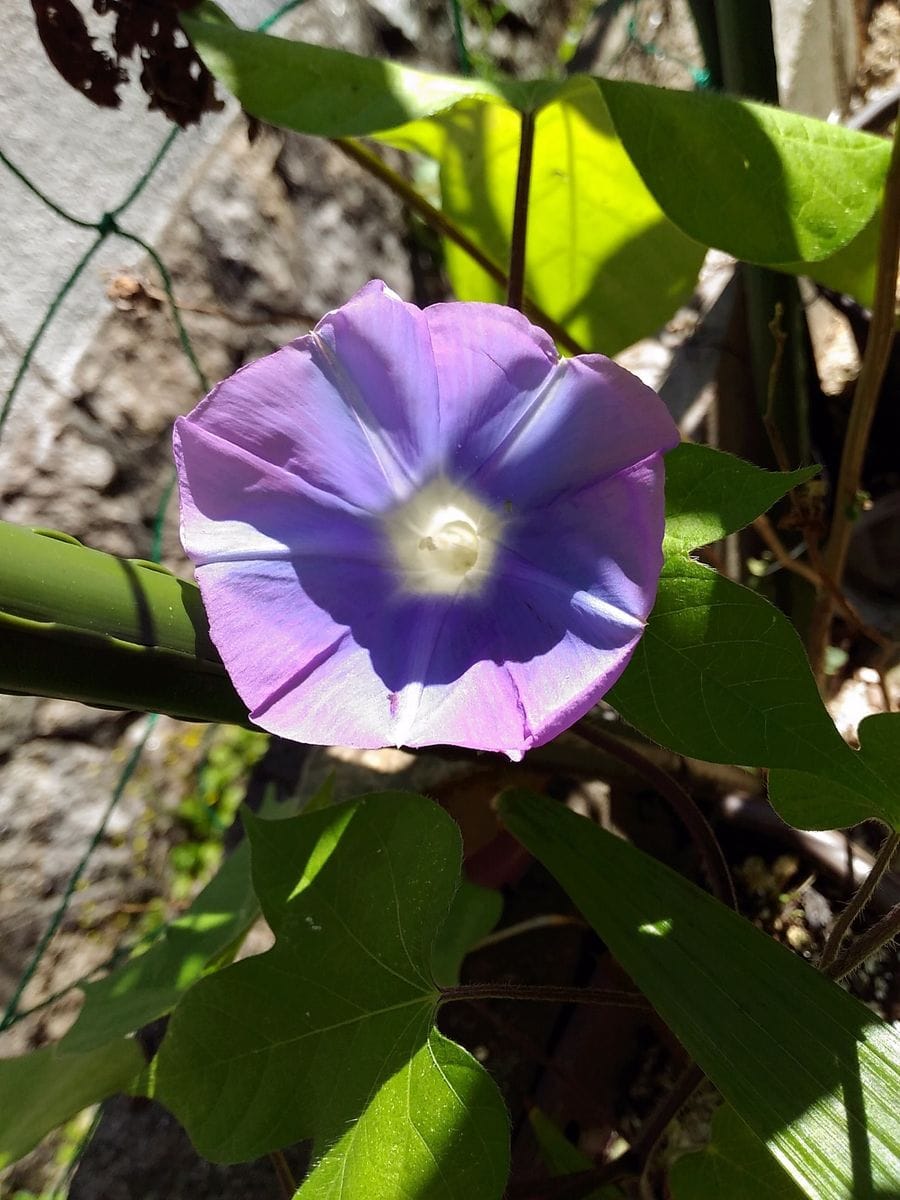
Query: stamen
439,536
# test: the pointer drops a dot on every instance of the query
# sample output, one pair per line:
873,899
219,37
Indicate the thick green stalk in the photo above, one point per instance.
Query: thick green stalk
120,633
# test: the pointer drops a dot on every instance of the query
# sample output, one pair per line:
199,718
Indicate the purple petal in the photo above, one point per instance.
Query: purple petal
590,419
235,506
526,426
351,408
377,349
487,358
305,673
602,545
285,655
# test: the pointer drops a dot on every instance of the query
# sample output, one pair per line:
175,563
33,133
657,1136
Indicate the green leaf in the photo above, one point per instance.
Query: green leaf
814,1073
852,269
721,675
602,259
866,783
143,630
330,1034
766,185
735,1164
48,1087
323,91
150,984
474,912
626,266
710,494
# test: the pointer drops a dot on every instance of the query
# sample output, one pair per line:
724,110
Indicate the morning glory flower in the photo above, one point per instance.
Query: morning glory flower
420,526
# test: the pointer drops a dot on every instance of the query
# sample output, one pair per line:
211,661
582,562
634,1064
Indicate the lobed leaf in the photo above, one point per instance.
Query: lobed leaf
720,674
814,1073
150,984
866,783
330,1034
41,1090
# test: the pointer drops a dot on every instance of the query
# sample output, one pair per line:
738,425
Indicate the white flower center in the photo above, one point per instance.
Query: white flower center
453,546
444,539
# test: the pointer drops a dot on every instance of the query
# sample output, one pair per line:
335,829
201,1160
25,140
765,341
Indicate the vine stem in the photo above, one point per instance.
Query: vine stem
283,1172
832,949
545,994
442,224
865,401
867,943
682,803
764,528
515,288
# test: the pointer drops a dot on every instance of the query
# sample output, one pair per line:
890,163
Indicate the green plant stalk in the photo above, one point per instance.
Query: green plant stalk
862,414
142,631
746,48
442,224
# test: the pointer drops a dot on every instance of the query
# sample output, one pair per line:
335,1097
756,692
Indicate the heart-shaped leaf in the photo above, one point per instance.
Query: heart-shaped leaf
766,185
330,1034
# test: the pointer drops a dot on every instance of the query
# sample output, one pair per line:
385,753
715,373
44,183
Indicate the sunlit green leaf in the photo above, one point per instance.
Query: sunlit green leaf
48,1087
601,257
814,1073
330,1034
766,185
